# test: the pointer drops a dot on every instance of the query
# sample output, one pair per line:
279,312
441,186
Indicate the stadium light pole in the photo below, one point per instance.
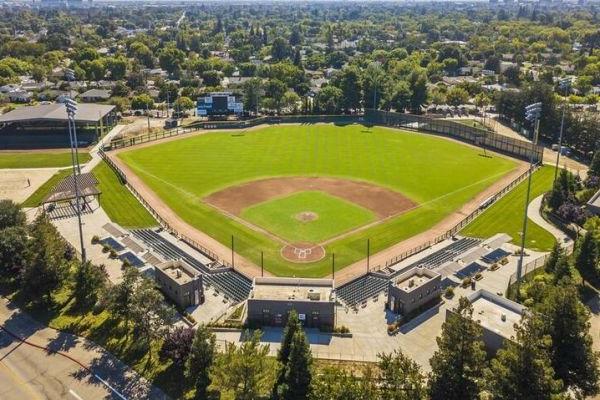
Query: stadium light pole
564,84
532,114
71,107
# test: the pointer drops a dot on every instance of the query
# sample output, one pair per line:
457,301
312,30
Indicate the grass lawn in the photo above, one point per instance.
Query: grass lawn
333,216
39,159
471,122
440,175
118,202
38,196
506,216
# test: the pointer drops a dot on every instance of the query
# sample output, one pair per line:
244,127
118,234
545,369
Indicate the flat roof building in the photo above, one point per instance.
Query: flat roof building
181,282
46,125
497,316
413,289
271,299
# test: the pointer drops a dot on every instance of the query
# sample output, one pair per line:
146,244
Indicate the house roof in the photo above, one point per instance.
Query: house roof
56,112
93,93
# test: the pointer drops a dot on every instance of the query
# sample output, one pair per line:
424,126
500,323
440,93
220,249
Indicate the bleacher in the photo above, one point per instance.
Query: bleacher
444,255
361,289
232,284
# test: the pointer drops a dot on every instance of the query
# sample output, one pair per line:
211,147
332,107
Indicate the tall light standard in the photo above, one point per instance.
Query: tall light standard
71,107
532,114
565,84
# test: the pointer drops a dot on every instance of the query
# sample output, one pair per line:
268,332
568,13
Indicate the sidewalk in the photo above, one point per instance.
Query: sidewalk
534,214
91,358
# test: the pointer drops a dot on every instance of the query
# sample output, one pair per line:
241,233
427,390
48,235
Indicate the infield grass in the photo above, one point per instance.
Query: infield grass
333,216
506,215
9,160
437,174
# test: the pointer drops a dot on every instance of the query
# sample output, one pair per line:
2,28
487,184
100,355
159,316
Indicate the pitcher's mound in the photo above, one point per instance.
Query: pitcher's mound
303,252
307,216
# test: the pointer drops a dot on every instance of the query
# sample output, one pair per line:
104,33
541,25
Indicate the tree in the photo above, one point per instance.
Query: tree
243,370
275,90
117,67
376,85
120,296
297,375
177,345
567,323
401,97
142,102
457,365
337,384
292,326
348,80
211,78
48,266
11,214
329,99
418,85
523,369
457,96
13,252
586,260
290,101
142,53
202,355
252,94
150,313
401,378
184,103
171,59
280,50
595,164
90,281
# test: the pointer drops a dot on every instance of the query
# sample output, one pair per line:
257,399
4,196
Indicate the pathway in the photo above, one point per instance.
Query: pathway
535,214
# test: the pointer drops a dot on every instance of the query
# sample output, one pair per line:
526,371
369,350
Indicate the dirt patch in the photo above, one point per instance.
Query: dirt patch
303,252
307,216
383,202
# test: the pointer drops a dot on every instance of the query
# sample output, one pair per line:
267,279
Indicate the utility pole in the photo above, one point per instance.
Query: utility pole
232,252
564,84
262,263
368,253
332,265
532,114
71,107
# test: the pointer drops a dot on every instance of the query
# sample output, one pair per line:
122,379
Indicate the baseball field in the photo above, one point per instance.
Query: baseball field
299,193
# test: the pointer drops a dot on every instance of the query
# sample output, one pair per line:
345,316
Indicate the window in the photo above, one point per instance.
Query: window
412,300
266,311
420,295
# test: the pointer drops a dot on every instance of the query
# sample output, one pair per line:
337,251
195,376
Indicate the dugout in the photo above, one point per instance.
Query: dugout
46,126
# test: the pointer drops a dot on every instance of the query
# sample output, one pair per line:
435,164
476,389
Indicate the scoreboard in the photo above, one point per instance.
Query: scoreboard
222,103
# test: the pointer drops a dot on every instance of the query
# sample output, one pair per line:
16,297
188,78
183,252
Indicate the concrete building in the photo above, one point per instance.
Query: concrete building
271,299
496,315
180,282
413,289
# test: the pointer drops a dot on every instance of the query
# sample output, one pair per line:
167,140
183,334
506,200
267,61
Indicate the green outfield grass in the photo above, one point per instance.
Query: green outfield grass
438,174
118,202
506,216
334,216
39,159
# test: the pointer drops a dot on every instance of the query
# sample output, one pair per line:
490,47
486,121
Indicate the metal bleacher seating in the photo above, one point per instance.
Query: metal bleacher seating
361,289
445,254
231,283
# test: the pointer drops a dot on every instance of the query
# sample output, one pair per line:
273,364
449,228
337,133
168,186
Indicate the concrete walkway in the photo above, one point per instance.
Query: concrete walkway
534,214
93,364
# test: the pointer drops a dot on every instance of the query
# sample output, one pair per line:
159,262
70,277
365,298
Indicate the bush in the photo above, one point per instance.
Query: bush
113,254
95,239
126,264
466,282
449,293
478,276
106,248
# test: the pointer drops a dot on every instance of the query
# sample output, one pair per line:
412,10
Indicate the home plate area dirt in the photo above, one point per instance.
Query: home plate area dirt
303,252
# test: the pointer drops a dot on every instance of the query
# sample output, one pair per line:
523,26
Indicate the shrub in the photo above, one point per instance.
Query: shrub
449,293
95,239
113,254
466,282
177,345
478,276
105,248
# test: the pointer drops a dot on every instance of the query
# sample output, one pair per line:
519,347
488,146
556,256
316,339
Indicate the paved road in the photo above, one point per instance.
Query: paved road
27,372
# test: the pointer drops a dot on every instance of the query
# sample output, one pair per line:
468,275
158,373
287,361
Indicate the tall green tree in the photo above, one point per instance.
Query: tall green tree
401,378
567,323
120,296
297,371
586,260
90,282
418,85
13,252
200,361
244,370
523,370
457,365
349,81
11,214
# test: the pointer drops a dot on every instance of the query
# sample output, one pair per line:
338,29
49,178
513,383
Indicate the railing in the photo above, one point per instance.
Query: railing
235,125
476,136
161,221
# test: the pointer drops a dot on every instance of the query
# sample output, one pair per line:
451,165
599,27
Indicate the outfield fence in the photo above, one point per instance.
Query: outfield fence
233,125
469,134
